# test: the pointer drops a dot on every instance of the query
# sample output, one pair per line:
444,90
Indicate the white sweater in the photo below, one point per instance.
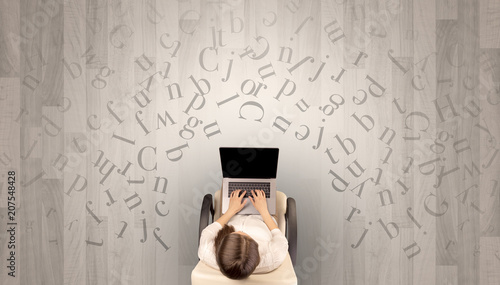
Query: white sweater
273,245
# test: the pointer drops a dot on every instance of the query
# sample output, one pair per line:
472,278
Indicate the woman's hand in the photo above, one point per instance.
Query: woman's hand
259,201
235,204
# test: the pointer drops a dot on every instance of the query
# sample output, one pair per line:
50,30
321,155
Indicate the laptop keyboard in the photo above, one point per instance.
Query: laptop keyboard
249,186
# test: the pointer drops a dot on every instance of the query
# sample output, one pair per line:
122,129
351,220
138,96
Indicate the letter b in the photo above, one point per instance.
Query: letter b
343,144
394,225
75,73
240,25
197,85
363,124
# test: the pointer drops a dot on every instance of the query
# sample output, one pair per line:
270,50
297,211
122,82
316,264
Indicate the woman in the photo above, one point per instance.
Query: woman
240,245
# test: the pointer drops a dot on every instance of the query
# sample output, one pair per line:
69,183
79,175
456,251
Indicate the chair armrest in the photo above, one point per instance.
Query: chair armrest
207,210
291,228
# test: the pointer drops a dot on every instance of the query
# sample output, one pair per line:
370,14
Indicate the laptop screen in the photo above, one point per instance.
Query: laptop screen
249,162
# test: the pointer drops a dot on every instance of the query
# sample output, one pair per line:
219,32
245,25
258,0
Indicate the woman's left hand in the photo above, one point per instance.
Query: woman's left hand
235,204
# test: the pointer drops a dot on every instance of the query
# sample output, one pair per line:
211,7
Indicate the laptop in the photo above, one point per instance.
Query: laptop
249,169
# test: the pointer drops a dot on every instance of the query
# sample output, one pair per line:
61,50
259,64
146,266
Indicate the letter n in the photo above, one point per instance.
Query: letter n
132,197
157,184
381,194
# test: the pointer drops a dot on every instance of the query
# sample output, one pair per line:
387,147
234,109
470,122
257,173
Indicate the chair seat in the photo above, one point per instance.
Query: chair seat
206,275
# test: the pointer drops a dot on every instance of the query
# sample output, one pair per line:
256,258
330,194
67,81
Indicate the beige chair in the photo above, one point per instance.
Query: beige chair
202,274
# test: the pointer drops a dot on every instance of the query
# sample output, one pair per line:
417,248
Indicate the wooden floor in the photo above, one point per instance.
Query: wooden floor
386,113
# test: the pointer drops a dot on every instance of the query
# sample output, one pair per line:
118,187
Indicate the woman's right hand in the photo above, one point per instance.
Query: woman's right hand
235,205
259,201
235,202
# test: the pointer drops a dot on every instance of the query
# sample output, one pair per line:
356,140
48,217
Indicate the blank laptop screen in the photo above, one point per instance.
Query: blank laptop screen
249,162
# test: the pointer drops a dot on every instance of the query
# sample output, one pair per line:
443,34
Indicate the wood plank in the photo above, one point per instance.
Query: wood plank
489,24
71,73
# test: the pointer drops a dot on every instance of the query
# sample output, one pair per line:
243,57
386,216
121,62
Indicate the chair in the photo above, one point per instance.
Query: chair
203,274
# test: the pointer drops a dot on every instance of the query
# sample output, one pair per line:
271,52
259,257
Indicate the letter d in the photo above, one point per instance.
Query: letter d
342,181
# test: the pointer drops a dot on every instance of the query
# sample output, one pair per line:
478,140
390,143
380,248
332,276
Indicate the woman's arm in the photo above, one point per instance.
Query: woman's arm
258,200
206,251
277,248
275,253
235,205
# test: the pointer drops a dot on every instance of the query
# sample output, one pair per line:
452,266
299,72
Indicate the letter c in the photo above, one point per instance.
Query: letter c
420,114
253,103
158,211
114,31
182,19
90,124
490,99
202,57
139,158
415,85
432,212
